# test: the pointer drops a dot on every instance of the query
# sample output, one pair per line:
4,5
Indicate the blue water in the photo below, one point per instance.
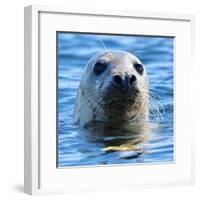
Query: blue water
81,147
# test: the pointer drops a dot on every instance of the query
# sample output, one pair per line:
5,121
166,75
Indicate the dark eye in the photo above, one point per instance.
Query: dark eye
139,68
99,68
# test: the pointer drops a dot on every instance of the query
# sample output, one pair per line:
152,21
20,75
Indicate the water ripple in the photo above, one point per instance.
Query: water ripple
78,147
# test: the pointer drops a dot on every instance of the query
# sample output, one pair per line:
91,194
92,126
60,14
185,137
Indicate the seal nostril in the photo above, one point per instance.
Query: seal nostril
132,79
117,80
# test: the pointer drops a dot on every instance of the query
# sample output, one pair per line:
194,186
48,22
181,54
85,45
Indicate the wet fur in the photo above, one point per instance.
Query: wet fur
98,101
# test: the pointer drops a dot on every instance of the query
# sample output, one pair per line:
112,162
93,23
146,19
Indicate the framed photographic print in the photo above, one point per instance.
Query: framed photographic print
106,99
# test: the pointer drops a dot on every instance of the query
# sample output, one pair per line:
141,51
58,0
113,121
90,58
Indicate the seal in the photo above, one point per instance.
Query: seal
113,89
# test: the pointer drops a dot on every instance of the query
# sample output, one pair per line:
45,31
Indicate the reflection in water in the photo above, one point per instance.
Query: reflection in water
99,143
128,136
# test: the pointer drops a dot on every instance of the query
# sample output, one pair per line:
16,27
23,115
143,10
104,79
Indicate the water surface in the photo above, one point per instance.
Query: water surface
82,147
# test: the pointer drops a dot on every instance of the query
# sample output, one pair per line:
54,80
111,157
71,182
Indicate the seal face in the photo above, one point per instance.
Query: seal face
114,88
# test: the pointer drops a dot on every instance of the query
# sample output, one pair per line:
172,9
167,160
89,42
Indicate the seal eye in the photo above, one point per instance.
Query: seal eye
139,68
99,68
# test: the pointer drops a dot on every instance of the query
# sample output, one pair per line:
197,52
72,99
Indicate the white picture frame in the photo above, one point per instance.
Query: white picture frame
41,174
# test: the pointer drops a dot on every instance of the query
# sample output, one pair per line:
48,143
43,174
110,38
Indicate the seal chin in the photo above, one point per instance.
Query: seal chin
119,101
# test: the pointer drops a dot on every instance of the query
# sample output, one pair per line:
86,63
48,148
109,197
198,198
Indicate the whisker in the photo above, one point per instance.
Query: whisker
156,109
103,44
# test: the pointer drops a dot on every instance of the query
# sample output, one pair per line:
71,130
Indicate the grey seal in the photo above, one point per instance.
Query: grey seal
113,89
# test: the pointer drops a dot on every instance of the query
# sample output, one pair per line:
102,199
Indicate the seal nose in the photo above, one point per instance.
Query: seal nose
126,82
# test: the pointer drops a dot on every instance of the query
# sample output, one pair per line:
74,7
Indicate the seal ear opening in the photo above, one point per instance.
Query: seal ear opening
99,68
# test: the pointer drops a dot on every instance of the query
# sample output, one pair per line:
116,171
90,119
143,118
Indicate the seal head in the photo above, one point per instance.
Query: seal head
114,89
